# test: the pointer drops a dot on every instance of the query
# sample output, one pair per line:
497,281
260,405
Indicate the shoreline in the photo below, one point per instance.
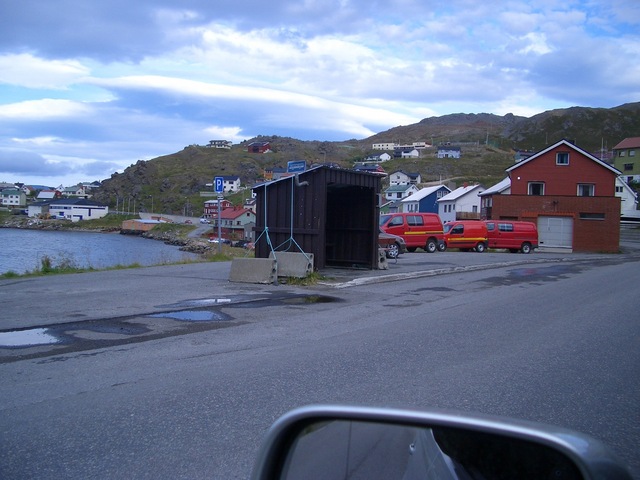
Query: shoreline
189,245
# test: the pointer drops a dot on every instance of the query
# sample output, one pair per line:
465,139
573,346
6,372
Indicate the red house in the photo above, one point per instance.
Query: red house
568,193
258,147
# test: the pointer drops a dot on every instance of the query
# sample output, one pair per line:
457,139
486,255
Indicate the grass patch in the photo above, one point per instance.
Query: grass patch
312,279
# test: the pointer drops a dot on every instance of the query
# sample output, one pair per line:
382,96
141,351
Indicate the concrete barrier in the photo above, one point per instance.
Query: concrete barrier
253,270
382,259
293,264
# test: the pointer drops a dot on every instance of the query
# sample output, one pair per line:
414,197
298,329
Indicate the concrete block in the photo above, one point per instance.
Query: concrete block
293,264
382,259
253,270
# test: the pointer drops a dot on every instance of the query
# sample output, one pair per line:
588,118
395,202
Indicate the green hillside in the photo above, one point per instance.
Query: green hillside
173,183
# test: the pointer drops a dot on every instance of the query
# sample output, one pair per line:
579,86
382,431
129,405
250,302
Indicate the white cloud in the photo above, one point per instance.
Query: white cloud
47,108
29,71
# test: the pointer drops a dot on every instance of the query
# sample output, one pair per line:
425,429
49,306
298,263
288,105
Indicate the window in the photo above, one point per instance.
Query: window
396,221
628,166
536,188
459,229
632,153
621,153
491,226
562,158
619,189
415,220
591,216
586,189
505,227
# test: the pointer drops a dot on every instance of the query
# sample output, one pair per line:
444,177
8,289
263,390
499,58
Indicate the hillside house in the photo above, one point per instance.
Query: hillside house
13,198
211,207
383,157
626,158
398,192
448,151
230,183
226,144
569,194
259,147
424,200
48,194
461,204
384,146
404,152
400,177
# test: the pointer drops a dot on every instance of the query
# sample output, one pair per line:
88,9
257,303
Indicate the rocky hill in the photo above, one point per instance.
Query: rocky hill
172,183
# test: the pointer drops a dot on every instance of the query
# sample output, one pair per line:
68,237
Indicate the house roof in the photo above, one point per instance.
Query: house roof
408,174
460,192
77,202
422,193
230,178
499,187
568,145
448,147
631,142
399,188
231,213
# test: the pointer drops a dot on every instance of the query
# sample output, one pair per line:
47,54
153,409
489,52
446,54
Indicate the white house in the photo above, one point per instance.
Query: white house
448,151
403,178
628,200
383,157
13,197
76,209
462,203
398,192
384,146
231,183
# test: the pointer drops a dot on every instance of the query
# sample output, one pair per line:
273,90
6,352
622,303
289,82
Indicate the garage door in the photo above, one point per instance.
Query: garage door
556,232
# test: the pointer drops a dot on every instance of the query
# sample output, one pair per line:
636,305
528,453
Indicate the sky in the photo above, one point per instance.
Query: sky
88,88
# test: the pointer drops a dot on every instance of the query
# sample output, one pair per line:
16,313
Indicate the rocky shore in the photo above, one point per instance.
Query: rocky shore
192,245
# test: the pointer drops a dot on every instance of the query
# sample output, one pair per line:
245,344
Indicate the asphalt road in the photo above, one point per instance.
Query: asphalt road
545,337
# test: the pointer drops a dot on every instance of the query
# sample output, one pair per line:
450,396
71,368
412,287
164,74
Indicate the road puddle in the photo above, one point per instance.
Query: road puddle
27,338
193,316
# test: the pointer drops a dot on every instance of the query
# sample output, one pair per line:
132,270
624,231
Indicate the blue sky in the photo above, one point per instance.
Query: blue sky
89,88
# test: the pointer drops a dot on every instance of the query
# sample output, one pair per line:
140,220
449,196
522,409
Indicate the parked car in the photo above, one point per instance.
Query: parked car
466,235
419,230
204,220
514,236
394,245
242,244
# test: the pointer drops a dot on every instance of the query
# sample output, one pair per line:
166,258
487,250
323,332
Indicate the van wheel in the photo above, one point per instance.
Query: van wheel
431,246
442,246
526,248
480,247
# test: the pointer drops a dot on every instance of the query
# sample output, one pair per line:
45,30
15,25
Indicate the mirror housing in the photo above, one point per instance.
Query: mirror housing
361,442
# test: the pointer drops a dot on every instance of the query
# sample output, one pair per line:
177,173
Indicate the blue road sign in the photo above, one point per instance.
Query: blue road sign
296,166
219,184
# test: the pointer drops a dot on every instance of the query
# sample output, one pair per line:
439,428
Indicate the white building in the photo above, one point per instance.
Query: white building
462,203
76,209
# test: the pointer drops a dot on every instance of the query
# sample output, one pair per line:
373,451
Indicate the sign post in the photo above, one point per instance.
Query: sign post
219,185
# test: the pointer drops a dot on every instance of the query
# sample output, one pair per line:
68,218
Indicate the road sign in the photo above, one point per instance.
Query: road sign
219,184
296,166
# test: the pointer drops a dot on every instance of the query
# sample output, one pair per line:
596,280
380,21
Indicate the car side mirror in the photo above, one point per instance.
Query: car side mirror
330,442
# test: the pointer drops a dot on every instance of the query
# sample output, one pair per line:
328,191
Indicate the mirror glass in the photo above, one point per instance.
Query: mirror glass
352,450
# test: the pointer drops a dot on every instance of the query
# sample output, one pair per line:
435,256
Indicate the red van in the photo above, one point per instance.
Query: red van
419,230
514,236
466,235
